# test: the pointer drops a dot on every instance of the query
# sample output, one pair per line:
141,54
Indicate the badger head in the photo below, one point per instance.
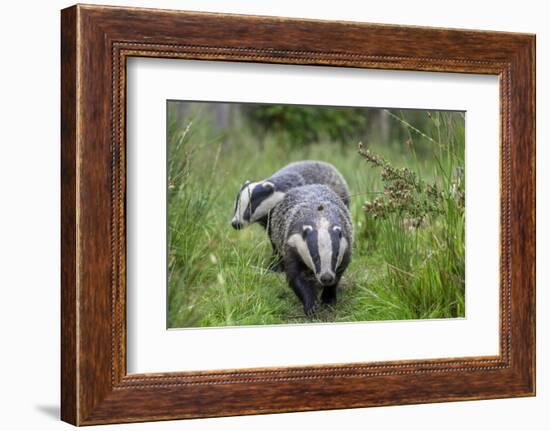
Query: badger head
321,248
254,201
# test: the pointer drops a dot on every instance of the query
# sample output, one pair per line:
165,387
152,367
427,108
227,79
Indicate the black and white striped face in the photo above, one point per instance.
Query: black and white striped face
322,248
253,202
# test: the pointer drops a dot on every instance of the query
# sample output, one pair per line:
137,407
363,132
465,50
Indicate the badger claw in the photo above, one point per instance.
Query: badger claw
309,309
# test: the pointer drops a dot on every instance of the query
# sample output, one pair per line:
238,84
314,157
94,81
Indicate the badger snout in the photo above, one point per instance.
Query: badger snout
327,279
236,224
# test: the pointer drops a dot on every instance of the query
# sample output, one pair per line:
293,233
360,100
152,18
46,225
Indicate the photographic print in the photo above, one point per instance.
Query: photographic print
289,214
232,199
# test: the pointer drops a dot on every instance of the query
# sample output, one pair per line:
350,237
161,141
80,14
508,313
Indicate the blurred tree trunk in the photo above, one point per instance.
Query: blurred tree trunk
224,118
383,120
221,116
180,110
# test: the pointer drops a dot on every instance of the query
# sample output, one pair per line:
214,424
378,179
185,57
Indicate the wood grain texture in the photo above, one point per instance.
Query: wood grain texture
96,41
69,366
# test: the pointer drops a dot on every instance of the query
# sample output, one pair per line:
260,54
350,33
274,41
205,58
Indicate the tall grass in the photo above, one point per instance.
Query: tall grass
217,276
421,227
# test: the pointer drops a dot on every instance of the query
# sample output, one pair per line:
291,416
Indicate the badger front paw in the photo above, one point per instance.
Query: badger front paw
309,308
328,296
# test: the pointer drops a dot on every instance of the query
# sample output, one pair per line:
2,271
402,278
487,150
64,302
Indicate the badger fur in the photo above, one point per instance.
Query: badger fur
255,200
311,229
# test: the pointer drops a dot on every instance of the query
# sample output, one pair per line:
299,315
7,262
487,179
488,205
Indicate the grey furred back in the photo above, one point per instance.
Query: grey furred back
311,172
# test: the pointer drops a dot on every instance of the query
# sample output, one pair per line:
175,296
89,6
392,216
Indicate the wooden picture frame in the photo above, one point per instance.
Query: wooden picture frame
95,43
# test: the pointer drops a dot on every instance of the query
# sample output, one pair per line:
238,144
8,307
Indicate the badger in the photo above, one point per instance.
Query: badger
311,229
255,200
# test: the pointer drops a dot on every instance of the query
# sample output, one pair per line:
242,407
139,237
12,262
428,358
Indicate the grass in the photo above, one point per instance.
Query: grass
217,276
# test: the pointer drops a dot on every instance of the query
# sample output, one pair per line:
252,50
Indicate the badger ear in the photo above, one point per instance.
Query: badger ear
247,182
268,185
306,229
338,230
